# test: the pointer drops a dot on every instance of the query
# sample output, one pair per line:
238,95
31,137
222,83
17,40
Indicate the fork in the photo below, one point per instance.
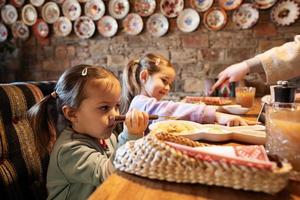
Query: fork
121,118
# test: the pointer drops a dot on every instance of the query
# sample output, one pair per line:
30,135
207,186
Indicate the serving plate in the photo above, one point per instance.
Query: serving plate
84,27
235,109
133,24
3,32
285,13
37,3
118,8
188,20
215,18
9,14
245,16
50,12
264,4
144,7
107,26
211,132
94,9
230,4
171,8
29,15
71,9
41,28
20,31
201,5
157,25
62,27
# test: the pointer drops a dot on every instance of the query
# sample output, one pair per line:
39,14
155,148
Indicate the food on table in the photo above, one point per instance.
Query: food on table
207,100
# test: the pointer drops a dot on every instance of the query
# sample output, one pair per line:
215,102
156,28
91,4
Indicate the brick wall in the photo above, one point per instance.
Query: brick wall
196,55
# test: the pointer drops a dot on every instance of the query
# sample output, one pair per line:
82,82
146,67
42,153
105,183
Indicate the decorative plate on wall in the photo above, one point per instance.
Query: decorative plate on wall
201,5
84,27
20,31
3,32
144,7
133,24
215,18
157,25
50,12
62,27
29,15
17,3
171,8
71,9
188,20
2,3
9,14
41,28
107,26
285,13
118,8
245,16
230,4
37,3
94,9
264,4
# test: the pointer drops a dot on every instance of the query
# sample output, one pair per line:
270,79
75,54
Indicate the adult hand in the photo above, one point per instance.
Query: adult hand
136,122
233,73
232,120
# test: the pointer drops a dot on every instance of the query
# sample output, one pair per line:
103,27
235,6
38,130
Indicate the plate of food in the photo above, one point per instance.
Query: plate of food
211,132
207,100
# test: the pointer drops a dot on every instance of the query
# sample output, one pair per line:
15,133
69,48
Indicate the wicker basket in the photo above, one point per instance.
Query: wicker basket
152,157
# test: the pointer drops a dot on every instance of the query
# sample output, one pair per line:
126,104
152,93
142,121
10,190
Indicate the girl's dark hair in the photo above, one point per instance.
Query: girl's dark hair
47,117
131,76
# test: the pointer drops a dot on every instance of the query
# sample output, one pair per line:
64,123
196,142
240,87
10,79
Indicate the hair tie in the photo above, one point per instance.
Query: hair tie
54,94
84,72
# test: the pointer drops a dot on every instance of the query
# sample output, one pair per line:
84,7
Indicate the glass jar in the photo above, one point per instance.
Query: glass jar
283,133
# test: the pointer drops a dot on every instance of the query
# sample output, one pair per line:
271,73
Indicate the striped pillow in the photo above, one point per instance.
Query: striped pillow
22,172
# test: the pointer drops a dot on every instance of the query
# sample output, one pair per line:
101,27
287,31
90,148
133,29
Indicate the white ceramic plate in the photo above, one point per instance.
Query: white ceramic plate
133,24
157,25
215,18
37,3
9,14
94,9
264,4
20,31
144,7
84,27
201,5
71,9
246,16
50,12
235,109
285,13
29,15
118,8
230,4
107,26
211,132
3,32
188,20
62,27
171,8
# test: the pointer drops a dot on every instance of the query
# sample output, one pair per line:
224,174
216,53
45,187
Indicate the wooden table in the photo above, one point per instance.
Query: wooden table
121,185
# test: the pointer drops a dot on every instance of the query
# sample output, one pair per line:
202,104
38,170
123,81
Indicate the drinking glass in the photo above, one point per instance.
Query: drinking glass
283,133
245,96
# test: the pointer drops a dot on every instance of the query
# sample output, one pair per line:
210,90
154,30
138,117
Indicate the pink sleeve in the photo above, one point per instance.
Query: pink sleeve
184,111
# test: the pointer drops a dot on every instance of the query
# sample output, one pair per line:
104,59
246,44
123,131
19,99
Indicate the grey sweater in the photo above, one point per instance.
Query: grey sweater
78,164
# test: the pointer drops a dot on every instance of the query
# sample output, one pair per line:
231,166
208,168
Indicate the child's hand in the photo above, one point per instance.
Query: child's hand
136,122
232,120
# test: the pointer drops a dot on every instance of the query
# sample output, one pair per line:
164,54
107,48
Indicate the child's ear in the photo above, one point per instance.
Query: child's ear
144,75
69,113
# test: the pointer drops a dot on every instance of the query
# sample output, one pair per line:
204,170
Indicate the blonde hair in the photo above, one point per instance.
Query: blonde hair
69,90
131,76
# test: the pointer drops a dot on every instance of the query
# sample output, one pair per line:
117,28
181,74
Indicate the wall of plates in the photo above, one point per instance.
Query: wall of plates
90,17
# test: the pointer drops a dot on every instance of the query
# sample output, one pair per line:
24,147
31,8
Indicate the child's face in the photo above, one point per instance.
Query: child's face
95,111
159,84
